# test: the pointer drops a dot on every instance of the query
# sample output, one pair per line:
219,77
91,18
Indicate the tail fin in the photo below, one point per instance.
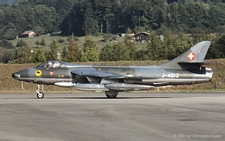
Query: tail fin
191,59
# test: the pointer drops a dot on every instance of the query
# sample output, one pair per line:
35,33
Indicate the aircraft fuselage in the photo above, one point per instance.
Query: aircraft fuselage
153,75
186,68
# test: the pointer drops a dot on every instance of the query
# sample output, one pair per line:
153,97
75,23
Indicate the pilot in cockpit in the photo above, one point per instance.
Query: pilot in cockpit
56,64
50,64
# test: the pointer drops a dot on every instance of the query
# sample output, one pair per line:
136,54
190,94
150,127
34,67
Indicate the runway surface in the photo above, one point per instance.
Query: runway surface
130,117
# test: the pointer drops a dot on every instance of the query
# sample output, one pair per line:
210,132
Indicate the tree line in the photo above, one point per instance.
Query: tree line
169,48
94,17
71,53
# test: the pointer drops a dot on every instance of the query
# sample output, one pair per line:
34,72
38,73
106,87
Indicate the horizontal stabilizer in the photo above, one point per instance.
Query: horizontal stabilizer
201,63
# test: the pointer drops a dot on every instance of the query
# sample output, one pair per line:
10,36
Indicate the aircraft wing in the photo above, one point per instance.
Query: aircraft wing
96,73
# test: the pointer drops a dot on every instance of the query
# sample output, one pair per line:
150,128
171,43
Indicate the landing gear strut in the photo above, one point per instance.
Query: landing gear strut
111,94
40,95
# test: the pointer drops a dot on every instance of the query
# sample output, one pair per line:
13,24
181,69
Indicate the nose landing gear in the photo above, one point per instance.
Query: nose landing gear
40,95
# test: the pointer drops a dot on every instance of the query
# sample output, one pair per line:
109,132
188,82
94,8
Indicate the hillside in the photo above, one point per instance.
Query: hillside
31,42
93,18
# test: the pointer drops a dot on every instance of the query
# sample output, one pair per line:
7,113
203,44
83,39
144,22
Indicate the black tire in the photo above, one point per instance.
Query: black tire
40,95
111,94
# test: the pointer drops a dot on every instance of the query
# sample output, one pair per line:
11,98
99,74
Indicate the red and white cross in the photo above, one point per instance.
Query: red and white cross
190,56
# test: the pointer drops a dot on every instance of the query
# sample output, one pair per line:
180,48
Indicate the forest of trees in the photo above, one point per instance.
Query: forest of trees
90,17
93,17
173,19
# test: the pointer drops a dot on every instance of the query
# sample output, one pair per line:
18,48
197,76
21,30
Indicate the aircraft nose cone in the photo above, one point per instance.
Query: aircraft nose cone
15,75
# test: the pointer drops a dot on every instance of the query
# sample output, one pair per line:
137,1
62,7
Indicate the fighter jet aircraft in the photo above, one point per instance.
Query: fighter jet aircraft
185,69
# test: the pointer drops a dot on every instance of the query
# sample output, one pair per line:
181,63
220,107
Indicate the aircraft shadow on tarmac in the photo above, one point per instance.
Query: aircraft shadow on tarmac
89,98
105,98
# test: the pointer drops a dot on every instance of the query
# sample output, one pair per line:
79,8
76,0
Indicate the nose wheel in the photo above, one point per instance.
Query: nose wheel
40,95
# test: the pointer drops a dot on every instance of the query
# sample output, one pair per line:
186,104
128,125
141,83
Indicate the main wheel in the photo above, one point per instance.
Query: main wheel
40,95
111,94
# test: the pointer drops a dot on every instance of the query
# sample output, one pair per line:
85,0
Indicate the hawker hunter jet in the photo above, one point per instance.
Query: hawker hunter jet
182,70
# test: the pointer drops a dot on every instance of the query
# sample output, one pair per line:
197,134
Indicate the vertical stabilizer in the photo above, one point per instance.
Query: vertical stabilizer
191,59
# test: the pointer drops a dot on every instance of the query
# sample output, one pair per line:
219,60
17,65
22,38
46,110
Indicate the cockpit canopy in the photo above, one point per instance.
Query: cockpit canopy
53,64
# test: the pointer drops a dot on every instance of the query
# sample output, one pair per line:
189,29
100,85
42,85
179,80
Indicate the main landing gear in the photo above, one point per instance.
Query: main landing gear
111,94
40,95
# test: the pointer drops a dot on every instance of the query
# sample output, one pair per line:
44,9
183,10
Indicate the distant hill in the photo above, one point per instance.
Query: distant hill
8,1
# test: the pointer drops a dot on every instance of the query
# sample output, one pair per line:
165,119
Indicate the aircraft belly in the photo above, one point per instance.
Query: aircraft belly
112,86
46,80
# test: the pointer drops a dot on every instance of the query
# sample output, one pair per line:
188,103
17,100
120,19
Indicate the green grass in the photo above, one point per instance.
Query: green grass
98,40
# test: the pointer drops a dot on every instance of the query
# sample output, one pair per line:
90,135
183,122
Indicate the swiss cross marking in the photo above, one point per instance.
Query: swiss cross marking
51,73
190,56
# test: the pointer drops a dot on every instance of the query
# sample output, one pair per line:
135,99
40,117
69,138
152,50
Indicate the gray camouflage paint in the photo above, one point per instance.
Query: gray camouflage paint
184,69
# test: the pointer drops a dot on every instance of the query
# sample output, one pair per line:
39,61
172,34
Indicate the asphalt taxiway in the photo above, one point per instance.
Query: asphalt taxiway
130,117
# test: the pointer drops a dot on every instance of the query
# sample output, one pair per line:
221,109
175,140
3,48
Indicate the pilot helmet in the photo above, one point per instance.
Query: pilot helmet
49,64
